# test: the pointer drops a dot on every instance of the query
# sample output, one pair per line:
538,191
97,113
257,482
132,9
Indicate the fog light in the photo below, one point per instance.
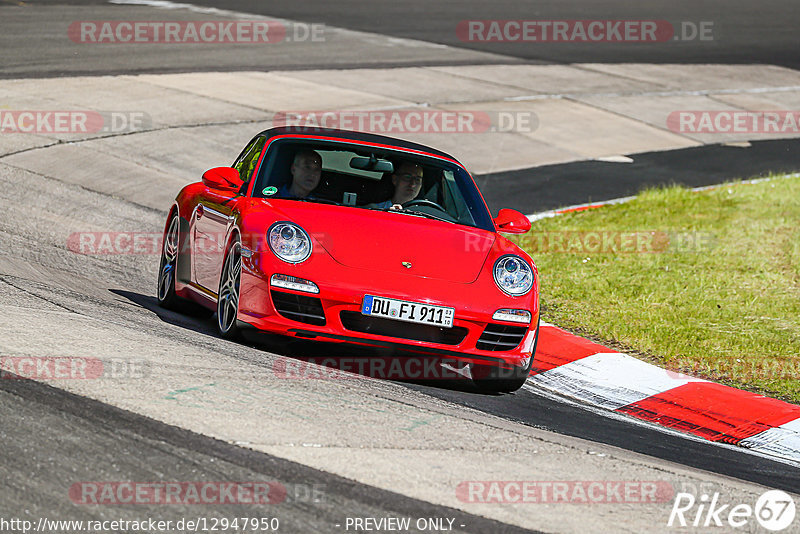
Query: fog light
514,316
292,282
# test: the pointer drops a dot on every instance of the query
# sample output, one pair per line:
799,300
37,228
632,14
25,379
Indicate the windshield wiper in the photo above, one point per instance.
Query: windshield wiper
419,214
317,200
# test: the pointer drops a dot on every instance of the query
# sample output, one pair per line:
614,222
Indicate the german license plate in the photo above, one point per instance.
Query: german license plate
412,312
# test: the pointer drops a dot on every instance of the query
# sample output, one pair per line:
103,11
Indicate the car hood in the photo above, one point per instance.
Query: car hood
393,242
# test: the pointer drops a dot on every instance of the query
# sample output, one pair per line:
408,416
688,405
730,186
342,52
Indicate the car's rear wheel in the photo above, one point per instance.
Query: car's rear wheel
169,261
228,300
167,271
497,380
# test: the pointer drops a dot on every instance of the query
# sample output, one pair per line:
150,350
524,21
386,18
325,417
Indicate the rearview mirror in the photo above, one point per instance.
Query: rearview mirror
223,179
511,222
371,163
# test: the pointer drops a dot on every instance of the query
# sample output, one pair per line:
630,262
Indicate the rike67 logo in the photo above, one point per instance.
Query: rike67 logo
774,511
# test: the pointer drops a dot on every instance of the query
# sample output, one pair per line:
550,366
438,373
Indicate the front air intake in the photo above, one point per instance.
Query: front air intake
299,307
499,337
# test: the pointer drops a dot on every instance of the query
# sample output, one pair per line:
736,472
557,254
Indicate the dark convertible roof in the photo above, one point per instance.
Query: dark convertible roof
348,135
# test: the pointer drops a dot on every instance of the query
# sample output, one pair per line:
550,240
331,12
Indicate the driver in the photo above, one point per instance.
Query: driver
306,172
407,181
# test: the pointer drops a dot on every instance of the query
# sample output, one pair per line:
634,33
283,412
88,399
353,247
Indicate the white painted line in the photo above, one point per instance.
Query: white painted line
609,380
661,94
738,144
782,441
753,181
166,4
553,213
615,159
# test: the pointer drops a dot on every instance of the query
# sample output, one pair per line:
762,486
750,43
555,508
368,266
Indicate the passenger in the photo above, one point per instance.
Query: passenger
306,172
407,181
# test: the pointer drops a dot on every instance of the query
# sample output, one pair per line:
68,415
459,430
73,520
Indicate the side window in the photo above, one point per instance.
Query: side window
247,162
454,201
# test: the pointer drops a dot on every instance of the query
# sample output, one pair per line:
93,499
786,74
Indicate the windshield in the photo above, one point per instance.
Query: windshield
355,176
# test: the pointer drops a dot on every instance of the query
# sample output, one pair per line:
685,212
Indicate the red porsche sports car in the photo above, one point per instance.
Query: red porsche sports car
351,237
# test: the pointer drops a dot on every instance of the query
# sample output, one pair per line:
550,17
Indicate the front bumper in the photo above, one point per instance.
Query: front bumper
474,338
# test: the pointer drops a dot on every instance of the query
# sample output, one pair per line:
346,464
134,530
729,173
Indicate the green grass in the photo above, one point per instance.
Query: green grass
717,296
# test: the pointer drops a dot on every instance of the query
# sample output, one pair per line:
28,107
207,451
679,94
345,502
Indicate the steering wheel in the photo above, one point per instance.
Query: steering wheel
424,202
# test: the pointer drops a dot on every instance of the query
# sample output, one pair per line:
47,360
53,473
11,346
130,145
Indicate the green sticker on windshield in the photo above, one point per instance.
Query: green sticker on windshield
269,191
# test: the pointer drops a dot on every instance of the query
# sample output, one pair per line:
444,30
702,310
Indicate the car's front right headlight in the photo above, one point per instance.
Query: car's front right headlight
289,242
513,275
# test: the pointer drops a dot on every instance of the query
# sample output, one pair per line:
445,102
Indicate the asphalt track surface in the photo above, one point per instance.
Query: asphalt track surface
744,32
747,32
553,186
96,441
59,435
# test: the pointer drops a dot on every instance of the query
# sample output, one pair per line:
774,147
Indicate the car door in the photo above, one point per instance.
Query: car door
213,217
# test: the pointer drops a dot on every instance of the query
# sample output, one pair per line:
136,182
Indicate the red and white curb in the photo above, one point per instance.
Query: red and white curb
574,367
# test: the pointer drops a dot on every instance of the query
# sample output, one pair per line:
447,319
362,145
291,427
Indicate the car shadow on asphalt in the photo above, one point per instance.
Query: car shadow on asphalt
149,302
319,360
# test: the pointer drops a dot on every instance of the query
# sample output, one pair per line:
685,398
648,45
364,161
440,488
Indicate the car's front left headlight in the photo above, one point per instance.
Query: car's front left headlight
289,242
513,275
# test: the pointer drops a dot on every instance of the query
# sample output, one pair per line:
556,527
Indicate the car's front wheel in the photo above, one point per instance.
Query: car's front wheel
497,380
229,283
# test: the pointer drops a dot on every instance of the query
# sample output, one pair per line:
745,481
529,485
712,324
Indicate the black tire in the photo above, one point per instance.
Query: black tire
169,264
228,294
167,270
496,380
